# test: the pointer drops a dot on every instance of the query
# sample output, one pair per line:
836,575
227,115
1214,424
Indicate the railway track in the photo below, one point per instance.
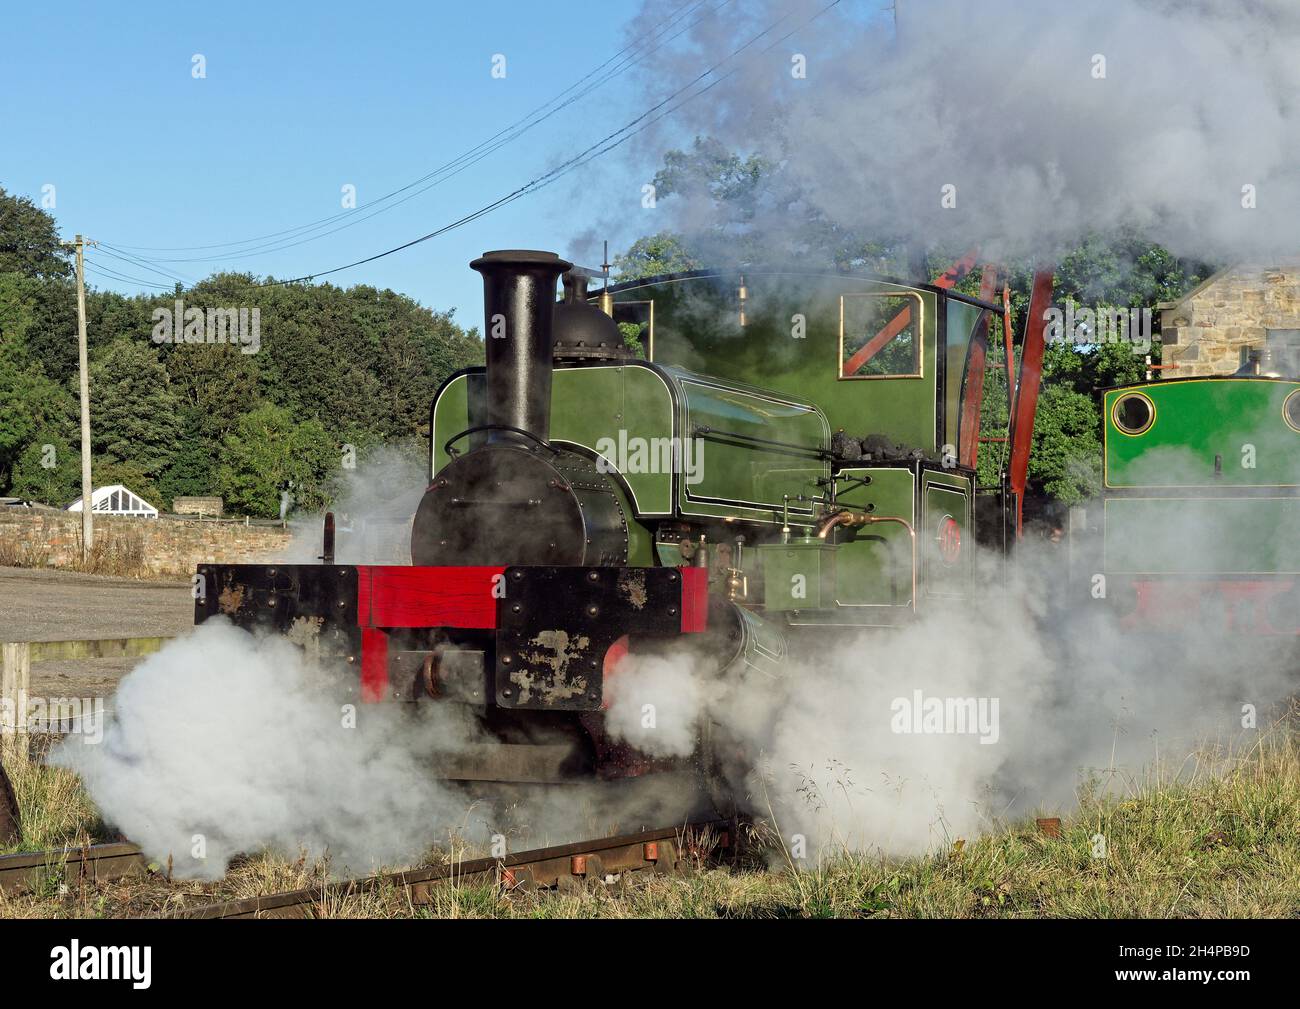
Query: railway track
562,866
31,871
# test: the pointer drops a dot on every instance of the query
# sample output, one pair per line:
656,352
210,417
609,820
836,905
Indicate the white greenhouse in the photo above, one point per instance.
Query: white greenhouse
116,500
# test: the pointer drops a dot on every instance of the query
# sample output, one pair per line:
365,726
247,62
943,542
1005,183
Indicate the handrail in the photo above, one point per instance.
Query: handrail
446,448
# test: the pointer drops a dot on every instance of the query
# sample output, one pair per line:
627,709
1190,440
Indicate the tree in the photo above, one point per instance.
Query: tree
34,410
29,240
268,453
214,382
49,472
193,468
132,475
708,168
654,255
759,216
1124,269
632,333
1065,460
1087,369
133,410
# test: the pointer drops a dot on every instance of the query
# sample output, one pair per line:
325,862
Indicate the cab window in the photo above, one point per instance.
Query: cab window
880,336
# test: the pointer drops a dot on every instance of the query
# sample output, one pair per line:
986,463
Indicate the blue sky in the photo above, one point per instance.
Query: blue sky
297,101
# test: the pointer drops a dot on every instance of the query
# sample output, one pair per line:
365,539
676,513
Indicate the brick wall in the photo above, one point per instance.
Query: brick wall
166,546
1204,333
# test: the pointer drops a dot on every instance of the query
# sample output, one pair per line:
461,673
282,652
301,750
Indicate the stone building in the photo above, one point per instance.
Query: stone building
1241,314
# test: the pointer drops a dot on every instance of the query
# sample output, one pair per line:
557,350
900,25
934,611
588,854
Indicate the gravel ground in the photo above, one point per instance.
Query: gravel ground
79,677
48,605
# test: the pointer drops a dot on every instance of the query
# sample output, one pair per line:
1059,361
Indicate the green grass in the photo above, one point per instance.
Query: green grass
1218,836
53,805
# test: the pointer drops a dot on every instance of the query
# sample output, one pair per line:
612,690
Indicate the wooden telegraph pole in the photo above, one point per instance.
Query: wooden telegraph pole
87,520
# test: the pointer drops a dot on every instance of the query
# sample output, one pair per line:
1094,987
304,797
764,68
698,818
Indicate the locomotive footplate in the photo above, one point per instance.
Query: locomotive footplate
555,624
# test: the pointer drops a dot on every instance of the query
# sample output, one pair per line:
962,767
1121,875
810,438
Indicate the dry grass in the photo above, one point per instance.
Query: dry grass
55,809
17,552
1217,836
117,552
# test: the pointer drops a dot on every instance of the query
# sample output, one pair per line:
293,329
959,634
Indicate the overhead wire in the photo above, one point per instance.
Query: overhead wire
611,141
446,171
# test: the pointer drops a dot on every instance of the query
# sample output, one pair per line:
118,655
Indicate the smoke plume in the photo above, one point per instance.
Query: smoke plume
1047,120
374,501
227,742
855,747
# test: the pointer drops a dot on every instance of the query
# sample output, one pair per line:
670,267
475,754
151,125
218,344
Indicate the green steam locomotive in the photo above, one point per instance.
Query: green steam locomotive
1200,522
781,455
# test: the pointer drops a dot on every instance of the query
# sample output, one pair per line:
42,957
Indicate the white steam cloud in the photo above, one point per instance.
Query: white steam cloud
225,743
1044,688
1049,120
374,502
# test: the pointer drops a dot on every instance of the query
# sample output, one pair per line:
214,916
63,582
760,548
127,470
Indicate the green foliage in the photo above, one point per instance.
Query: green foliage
29,240
192,471
34,410
269,452
133,411
631,332
1087,369
130,474
709,168
214,385
654,255
1124,269
362,363
1065,462
748,192
49,472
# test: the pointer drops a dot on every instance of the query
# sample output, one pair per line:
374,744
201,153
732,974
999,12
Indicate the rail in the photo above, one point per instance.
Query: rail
28,872
566,865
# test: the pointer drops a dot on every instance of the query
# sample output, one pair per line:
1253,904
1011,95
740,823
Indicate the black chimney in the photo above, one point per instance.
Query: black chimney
518,313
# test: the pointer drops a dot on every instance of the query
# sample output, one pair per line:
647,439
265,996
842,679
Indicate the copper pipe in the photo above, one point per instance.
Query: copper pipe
854,520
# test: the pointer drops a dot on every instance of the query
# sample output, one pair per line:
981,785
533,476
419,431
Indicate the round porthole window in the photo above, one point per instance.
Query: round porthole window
1291,410
1134,413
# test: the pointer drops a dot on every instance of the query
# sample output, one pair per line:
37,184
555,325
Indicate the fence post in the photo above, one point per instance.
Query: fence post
15,682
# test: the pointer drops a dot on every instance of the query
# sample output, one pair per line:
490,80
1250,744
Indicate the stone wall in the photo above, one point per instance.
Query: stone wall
161,546
1205,332
197,506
